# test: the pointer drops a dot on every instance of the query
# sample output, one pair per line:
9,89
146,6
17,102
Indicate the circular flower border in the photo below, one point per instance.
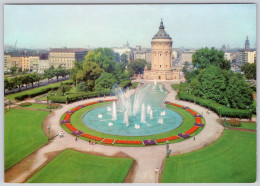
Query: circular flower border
184,135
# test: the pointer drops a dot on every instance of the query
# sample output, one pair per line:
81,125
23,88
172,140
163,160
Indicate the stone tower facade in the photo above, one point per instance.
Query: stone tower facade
161,67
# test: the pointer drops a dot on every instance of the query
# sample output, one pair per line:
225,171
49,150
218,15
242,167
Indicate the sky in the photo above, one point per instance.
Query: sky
84,26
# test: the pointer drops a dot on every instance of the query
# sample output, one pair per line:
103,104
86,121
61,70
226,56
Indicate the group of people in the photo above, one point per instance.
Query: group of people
91,142
61,134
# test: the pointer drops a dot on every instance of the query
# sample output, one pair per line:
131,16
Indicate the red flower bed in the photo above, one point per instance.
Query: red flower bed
168,138
108,141
67,116
111,100
91,137
175,105
198,120
127,142
234,123
191,130
75,109
191,111
70,127
91,103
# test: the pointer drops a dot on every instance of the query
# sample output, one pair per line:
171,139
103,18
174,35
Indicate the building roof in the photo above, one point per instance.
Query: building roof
68,50
161,34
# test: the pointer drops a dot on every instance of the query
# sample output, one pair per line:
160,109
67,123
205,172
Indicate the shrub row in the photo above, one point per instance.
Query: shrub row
125,84
38,91
79,96
214,106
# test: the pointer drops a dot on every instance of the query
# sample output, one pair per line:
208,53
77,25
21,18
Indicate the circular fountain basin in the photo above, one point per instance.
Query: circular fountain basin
158,124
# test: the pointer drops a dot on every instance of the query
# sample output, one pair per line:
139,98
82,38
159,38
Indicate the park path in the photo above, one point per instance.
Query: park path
147,159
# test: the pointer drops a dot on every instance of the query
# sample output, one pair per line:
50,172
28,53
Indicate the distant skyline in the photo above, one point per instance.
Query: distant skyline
189,25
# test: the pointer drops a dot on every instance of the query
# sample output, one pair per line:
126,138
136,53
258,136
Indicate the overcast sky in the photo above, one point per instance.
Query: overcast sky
195,26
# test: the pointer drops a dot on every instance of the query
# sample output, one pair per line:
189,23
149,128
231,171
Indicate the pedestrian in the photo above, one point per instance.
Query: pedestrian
76,139
89,142
194,138
60,134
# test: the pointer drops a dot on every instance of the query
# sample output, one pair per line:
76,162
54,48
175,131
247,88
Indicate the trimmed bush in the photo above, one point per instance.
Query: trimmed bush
79,96
26,104
38,91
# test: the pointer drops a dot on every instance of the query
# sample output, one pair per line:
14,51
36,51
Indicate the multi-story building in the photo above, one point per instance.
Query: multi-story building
187,57
15,61
25,63
227,56
34,63
7,62
43,65
65,57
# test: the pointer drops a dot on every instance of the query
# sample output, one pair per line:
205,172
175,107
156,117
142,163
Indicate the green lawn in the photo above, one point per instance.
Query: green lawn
76,167
186,125
37,106
248,125
43,98
22,134
231,159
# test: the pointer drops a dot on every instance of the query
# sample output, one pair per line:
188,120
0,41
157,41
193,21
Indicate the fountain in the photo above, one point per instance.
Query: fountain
148,109
126,119
143,116
160,121
134,115
100,116
114,116
151,114
162,113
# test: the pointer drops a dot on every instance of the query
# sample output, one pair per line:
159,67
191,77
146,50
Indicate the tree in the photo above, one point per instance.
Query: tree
13,70
18,81
204,57
137,66
123,58
81,87
74,71
6,83
238,92
49,73
92,72
210,84
105,82
38,78
249,70
104,57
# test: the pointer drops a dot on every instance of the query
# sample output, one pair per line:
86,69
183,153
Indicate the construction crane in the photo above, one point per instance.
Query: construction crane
15,45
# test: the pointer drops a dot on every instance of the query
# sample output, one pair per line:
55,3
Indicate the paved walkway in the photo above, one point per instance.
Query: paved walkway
147,158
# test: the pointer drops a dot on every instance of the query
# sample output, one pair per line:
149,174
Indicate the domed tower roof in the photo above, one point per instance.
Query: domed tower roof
161,34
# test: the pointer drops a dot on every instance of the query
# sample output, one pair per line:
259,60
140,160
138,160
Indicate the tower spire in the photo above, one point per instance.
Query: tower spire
161,25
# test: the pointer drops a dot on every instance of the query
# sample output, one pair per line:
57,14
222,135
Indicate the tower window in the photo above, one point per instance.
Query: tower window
160,54
160,66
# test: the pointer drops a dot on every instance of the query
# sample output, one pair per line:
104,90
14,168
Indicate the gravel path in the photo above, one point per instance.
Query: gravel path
147,158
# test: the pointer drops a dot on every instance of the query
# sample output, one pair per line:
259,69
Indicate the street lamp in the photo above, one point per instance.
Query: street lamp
9,103
219,111
224,122
49,132
66,99
187,88
167,148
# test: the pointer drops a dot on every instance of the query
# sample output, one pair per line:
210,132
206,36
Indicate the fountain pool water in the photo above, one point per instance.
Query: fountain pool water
139,115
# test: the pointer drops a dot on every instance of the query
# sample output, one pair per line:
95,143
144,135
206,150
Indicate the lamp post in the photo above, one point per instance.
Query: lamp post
224,122
9,103
167,148
219,111
49,132
66,99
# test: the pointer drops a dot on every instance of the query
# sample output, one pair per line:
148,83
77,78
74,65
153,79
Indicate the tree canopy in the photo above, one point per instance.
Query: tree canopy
225,87
249,70
137,66
205,56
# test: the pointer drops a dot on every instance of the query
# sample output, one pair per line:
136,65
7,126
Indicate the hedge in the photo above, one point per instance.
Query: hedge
79,96
125,84
38,91
214,106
